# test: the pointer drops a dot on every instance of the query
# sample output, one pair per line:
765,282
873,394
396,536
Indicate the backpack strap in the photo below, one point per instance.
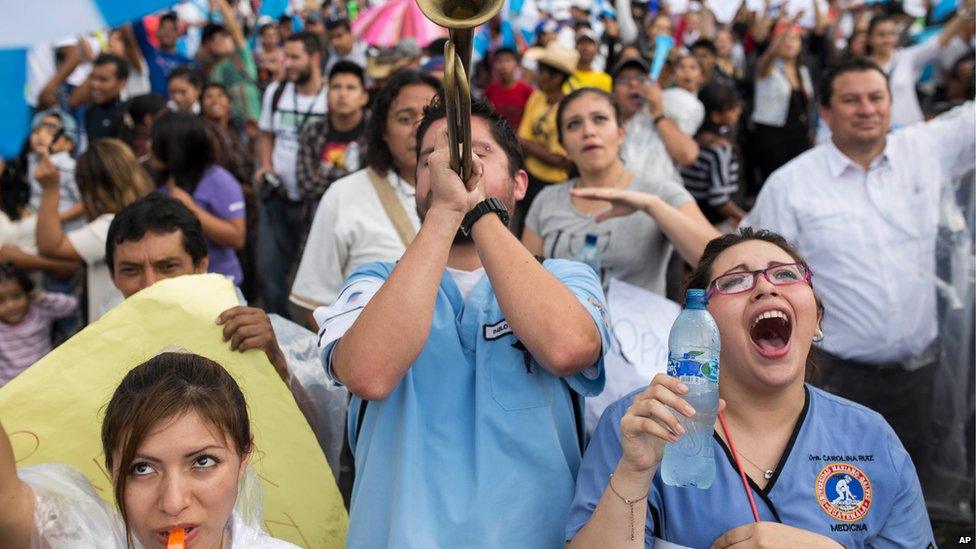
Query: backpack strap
276,98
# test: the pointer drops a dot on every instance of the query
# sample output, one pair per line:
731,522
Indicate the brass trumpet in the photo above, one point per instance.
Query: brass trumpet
459,17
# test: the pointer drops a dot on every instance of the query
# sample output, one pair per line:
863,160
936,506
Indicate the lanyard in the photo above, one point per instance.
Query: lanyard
308,111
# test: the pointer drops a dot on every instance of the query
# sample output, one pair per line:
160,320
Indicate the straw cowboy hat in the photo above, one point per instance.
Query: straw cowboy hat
556,57
384,63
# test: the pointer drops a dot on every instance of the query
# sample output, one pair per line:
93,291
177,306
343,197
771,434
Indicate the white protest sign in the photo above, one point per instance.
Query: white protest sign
724,10
809,18
678,7
641,322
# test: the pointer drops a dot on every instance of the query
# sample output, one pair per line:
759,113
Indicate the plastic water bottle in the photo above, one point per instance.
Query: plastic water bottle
693,357
590,254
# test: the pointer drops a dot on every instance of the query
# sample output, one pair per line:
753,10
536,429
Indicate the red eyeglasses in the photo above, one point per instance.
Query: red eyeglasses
743,281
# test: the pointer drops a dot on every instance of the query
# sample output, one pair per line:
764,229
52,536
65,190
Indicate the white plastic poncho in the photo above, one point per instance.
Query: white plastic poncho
68,514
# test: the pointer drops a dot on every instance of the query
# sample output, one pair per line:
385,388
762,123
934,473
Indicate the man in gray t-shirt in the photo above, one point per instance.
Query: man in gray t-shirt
632,247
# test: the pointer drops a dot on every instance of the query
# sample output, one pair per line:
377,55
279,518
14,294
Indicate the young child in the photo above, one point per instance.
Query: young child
714,178
25,321
52,134
507,93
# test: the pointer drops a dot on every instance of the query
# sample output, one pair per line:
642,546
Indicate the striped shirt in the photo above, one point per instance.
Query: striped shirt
713,179
26,342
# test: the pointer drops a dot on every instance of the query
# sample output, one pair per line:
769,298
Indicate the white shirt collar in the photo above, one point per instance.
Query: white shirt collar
838,162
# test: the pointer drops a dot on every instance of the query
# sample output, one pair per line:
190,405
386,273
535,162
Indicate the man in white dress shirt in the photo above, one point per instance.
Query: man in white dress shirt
863,209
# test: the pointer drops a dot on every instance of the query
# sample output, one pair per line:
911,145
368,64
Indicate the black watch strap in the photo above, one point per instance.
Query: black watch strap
490,205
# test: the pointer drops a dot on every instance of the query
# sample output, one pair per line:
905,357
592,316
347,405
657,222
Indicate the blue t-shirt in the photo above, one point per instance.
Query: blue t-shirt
478,445
844,475
160,63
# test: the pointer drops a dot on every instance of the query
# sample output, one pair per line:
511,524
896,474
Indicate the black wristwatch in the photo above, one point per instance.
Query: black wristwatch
491,205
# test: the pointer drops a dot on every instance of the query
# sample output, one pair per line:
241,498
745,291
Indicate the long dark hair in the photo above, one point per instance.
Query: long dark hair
572,97
576,94
875,21
180,141
14,188
378,155
701,275
164,388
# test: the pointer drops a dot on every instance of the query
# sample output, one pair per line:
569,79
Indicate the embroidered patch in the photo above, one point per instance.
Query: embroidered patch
843,491
495,331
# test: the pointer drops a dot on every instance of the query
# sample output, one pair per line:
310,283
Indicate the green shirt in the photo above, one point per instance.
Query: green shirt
238,74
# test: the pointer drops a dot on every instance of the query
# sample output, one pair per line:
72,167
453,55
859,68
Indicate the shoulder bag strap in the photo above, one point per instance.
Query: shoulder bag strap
393,207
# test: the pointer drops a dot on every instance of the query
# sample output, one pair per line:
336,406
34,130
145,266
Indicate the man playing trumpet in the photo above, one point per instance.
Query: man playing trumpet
468,360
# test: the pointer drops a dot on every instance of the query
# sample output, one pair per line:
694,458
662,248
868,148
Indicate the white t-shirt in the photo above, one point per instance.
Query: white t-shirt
81,72
20,233
294,112
350,228
683,108
903,69
89,242
69,194
41,67
643,150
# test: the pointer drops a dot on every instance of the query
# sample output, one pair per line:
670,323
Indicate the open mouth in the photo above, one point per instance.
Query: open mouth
589,148
189,532
770,333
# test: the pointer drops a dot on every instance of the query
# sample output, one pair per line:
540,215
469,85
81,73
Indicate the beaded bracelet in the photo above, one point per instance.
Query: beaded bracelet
629,502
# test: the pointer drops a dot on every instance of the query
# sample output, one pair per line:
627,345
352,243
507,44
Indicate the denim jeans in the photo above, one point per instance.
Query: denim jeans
281,233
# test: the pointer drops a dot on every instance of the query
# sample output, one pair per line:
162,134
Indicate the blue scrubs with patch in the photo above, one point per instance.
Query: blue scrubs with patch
478,445
844,475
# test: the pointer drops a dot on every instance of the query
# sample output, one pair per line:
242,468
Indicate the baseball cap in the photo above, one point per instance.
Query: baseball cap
632,61
68,123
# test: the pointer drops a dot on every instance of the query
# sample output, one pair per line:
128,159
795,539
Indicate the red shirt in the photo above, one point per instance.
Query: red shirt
510,102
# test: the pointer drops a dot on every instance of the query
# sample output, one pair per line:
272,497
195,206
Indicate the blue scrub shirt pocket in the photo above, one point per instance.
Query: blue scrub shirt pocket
512,386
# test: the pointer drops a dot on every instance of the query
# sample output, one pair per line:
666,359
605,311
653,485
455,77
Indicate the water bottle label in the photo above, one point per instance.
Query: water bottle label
690,364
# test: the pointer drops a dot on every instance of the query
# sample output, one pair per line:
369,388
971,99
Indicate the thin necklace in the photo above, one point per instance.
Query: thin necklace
767,473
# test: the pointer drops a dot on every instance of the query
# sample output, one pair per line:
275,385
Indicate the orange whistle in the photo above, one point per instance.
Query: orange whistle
176,538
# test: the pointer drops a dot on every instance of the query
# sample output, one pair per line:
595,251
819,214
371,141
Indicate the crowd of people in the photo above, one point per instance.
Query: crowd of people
797,164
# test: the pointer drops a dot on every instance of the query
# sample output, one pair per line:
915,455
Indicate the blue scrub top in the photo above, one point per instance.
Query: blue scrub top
844,475
475,447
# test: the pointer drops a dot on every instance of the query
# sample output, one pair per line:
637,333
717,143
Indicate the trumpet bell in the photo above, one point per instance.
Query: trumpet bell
460,14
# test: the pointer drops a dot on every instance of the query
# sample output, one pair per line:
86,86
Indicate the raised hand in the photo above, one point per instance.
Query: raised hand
652,95
249,328
47,173
446,189
650,422
622,201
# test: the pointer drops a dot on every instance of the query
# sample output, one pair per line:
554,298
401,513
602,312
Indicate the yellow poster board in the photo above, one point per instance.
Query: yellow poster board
53,411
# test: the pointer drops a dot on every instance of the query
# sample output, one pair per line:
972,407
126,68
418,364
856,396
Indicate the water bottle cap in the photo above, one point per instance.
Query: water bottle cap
590,239
696,298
